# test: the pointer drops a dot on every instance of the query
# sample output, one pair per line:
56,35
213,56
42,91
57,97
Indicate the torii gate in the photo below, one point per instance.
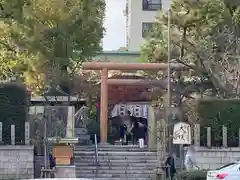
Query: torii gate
104,67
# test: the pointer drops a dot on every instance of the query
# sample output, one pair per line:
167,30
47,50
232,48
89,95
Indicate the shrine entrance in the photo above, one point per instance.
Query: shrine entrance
107,83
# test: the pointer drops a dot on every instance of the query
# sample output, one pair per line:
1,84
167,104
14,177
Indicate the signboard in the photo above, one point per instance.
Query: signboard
54,98
182,133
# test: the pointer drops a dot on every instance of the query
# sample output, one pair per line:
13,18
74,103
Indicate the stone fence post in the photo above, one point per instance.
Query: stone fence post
224,136
1,139
27,133
239,137
196,134
12,134
209,137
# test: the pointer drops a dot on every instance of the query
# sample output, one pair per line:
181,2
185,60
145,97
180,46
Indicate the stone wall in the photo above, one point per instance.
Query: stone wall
212,158
16,161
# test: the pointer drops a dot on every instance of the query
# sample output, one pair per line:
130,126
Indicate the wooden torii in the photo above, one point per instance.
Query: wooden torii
104,67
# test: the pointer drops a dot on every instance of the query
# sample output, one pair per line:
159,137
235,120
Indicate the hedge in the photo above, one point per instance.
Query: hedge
192,175
13,111
217,112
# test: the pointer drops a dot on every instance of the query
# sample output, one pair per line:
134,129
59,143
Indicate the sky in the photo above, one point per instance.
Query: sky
115,35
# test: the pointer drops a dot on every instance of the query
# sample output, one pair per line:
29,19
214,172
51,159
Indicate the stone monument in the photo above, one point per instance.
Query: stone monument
81,120
63,149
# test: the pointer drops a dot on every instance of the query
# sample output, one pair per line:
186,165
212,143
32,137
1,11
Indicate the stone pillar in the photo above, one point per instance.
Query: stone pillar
13,134
104,107
209,136
161,148
70,122
151,128
1,139
197,135
224,136
239,137
27,133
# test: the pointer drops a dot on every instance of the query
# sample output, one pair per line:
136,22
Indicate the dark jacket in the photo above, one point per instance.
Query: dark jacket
134,129
52,162
140,132
122,131
170,167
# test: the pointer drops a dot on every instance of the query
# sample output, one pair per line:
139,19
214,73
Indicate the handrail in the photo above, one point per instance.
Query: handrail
96,149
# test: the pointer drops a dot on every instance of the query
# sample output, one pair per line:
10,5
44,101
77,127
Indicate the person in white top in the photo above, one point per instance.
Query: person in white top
141,134
127,124
190,161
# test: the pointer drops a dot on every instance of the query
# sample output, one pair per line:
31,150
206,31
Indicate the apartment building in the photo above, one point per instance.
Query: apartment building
140,15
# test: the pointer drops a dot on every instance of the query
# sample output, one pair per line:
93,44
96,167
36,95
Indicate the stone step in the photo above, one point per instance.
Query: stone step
117,159
115,162
106,158
119,164
116,153
122,161
116,167
123,176
114,171
85,137
113,148
93,165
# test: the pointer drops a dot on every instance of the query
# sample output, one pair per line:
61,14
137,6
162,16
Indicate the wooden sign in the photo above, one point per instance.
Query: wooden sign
63,154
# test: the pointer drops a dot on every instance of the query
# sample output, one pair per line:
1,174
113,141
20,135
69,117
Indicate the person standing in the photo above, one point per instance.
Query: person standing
122,133
170,166
127,120
141,134
134,132
52,162
190,161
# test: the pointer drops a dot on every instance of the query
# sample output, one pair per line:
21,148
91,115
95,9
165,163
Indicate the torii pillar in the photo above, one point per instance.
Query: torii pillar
104,67
104,106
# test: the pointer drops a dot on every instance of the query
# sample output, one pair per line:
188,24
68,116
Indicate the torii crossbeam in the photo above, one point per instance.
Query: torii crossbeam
105,67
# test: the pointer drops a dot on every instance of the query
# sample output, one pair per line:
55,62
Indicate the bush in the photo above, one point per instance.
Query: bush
13,110
223,112
192,175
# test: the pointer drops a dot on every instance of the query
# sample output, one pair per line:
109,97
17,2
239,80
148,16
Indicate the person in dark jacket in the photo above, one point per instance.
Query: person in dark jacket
141,134
122,133
52,162
170,166
134,132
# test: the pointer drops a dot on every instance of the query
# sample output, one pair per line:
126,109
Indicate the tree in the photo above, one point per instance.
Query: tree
204,37
193,24
49,39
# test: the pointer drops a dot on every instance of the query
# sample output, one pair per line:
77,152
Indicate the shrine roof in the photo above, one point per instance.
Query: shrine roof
126,93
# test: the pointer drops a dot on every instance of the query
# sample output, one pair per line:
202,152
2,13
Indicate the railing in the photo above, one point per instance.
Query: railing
96,149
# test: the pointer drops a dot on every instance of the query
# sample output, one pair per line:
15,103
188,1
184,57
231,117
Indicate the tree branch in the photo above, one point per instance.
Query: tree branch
8,47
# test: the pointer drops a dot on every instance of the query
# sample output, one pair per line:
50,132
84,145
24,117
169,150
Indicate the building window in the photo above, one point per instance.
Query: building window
146,28
151,5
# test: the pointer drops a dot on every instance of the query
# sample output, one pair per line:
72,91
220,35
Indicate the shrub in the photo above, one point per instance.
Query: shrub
13,110
192,175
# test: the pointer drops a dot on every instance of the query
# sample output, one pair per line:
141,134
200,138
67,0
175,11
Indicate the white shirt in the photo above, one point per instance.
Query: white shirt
190,160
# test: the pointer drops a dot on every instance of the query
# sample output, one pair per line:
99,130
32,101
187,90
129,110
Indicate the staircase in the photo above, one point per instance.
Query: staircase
115,162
